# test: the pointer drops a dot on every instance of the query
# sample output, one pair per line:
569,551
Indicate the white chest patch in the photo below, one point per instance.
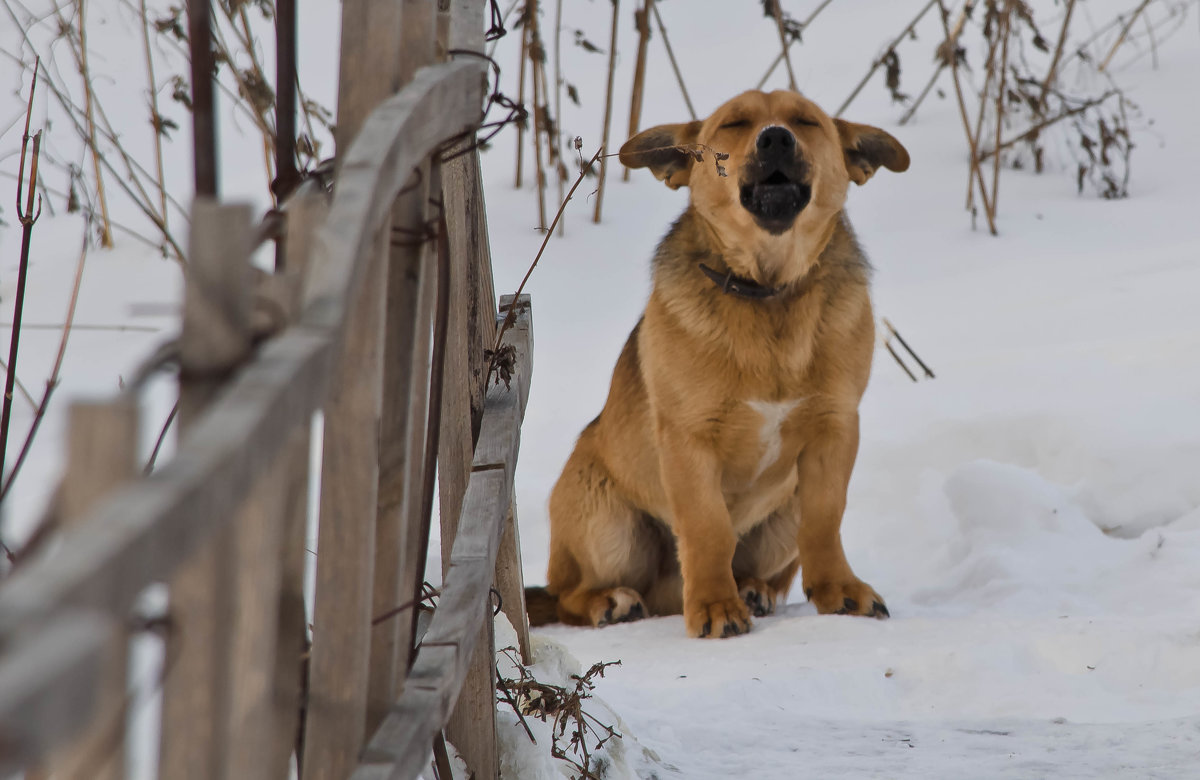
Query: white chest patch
773,414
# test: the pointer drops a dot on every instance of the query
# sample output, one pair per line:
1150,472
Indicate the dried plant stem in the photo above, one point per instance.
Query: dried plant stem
662,30
524,58
88,98
880,59
511,317
962,109
784,45
924,93
1153,43
974,172
1037,128
17,380
27,217
142,201
893,332
1052,72
1124,32
946,50
269,139
779,57
608,99
52,381
155,116
642,18
535,51
1000,100
162,436
558,116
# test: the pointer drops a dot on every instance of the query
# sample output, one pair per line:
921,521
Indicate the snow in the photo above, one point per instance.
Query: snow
1032,515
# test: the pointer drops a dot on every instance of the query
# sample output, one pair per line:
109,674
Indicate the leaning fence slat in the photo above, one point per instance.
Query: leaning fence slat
48,685
102,451
339,666
404,401
214,340
404,740
305,212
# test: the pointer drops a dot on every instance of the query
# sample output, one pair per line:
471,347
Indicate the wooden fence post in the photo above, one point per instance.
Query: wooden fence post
335,724
102,451
472,727
215,339
405,403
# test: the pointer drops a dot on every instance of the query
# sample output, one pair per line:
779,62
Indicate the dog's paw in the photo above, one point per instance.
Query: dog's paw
717,619
758,595
854,597
617,605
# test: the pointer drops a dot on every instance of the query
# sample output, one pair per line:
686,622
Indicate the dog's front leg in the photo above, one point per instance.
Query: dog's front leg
824,469
705,537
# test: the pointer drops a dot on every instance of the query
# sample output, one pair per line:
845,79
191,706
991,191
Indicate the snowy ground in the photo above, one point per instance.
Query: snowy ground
1032,515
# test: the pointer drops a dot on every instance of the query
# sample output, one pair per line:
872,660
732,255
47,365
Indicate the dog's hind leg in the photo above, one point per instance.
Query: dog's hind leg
766,561
604,554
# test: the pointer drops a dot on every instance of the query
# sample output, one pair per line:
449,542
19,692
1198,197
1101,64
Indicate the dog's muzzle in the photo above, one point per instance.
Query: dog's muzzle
772,186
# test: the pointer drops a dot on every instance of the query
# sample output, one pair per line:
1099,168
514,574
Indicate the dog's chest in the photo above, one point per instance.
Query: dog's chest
772,416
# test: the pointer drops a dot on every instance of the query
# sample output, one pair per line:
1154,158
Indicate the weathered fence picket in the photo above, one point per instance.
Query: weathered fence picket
350,328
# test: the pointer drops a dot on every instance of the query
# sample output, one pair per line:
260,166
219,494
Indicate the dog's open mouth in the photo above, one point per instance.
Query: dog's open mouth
775,200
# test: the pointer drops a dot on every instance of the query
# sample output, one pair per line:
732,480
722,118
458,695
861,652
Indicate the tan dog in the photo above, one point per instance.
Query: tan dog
720,462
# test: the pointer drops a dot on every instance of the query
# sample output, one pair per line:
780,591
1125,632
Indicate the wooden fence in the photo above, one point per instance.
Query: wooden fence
380,324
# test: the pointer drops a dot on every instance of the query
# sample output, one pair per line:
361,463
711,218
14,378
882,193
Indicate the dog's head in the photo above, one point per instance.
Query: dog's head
788,168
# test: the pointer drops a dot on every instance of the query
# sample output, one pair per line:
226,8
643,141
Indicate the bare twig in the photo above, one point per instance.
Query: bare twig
883,57
27,217
662,30
52,381
612,65
521,98
962,109
974,174
1052,72
801,27
17,380
893,332
1124,32
162,436
88,99
642,18
784,45
156,119
561,173
537,51
888,345
511,317
1001,97
1037,128
946,50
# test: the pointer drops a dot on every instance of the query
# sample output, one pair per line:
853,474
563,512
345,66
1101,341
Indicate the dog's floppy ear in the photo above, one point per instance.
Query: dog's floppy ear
866,148
664,150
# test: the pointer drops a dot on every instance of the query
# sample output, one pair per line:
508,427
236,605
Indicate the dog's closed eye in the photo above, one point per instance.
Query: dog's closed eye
803,121
733,124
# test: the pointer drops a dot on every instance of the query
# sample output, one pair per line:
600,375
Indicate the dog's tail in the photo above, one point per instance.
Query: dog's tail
541,605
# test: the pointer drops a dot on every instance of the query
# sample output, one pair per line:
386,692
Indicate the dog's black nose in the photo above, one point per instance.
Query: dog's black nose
775,141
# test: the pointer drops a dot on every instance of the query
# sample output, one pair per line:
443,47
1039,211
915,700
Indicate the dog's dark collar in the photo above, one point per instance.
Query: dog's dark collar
739,285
